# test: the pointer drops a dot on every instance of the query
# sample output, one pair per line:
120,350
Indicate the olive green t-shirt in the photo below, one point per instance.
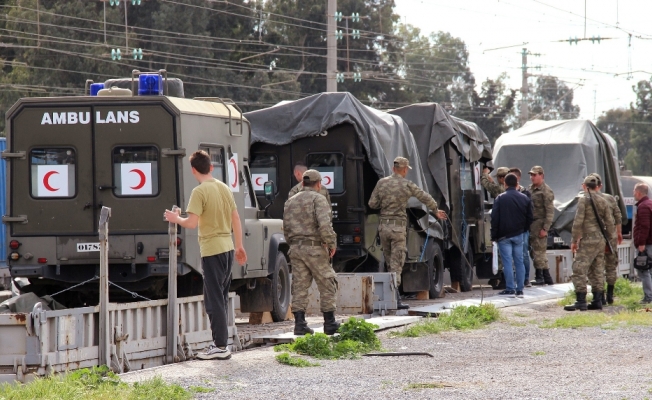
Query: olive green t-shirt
213,203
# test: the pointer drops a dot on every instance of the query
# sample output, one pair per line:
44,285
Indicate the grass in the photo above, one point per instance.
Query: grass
294,361
539,353
460,318
201,389
605,321
356,337
426,386
626,295
96,383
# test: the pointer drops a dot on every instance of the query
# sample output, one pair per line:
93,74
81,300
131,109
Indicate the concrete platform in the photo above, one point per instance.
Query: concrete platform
531,295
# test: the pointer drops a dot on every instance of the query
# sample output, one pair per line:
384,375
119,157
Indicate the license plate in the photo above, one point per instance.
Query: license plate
86,247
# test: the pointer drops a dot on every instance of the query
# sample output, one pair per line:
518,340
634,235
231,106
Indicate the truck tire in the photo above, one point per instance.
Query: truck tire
460,269
437,264
280,289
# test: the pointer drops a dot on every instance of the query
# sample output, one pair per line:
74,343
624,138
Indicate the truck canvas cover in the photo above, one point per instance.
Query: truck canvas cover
568,151
432,127
382,135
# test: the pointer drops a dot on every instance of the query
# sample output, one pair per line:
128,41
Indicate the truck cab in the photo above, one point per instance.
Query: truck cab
70,156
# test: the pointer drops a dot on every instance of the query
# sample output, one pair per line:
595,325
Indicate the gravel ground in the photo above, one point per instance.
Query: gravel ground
511,359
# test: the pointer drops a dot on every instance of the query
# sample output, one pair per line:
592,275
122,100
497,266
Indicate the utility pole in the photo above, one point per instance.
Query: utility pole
524,88
331,45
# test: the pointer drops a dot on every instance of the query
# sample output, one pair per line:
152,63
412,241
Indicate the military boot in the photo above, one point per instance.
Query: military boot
300,324
596,304
330,325
547,279
603,299
580,303
538,277
399,305
610,294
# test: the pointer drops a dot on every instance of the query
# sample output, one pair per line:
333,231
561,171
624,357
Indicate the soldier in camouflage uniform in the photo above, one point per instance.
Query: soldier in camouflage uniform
544,210
299,169
492,187
588,243
615,238
308,230
391,195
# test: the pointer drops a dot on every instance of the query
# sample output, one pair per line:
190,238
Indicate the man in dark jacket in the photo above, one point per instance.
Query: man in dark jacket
511,216
526,235
643,235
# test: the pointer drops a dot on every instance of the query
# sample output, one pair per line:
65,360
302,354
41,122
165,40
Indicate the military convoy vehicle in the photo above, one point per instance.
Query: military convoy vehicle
127,150
353,146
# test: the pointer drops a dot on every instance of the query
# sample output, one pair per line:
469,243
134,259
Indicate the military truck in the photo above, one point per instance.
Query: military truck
127,150
353,146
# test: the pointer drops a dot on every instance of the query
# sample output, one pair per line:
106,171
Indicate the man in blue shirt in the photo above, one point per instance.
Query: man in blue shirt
511,216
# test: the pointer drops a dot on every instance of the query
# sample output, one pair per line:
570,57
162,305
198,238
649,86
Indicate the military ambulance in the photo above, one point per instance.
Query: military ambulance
128,149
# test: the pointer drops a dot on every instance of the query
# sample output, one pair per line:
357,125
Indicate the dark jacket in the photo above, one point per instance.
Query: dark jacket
643,224
524,190
511,214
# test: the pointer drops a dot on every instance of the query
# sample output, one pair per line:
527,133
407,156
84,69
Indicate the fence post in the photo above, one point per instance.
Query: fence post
105,334
173,312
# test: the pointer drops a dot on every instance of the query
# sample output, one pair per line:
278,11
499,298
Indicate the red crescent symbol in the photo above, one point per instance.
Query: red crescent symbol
46,182
143,179
328,180
258,181
235,172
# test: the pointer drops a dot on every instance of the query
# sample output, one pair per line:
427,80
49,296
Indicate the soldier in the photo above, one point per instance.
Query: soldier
544,210
299,169
391,195
588,243
490,186
615,238
526,235
307,228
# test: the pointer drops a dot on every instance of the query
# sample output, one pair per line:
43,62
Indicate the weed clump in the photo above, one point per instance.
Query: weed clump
460,318
287,359
356,336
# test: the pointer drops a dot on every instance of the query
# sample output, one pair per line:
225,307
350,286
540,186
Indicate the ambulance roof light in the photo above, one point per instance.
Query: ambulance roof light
150,85
96,87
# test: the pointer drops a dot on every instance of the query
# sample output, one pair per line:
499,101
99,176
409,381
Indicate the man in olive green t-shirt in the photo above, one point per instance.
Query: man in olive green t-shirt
211,208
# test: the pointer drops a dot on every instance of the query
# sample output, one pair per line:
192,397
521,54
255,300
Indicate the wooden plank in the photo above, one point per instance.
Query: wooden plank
257,318
423,295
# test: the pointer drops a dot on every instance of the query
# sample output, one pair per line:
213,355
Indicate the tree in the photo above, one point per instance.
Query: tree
639,156
617,123
552,99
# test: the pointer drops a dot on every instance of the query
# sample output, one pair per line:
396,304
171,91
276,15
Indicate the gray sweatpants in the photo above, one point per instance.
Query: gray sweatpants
646,278
217,280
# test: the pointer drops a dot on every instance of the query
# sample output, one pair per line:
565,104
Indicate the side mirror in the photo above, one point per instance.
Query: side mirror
270,190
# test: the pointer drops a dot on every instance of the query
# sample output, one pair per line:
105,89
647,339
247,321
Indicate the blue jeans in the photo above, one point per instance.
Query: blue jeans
526,255
511,252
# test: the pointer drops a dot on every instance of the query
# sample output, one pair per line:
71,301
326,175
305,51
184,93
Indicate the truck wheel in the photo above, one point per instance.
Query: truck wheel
437,264
280,288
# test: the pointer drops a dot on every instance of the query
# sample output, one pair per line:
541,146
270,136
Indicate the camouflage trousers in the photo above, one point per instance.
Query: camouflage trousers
589,263
539,247
392,240
308,263
611,263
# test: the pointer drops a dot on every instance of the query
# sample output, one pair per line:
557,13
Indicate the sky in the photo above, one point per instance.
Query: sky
602,75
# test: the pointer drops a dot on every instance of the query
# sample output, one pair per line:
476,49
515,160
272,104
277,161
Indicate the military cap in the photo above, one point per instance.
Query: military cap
502,171
401,162
597,176
311,175
536,170
591,179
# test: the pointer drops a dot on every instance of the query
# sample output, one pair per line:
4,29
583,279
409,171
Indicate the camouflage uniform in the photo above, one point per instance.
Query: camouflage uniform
299,186
307,228
391,195
611,259
493,188
544,210
589,259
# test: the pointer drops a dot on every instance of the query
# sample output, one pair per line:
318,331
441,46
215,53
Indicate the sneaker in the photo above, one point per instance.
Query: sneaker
213,353
528,283
507,292
519,294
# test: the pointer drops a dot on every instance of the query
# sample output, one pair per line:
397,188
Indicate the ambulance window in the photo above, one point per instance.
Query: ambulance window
135,171
263,169
217,160
330,165
52,173
250,200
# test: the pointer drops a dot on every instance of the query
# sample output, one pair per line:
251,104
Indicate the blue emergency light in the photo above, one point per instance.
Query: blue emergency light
150,85
96,87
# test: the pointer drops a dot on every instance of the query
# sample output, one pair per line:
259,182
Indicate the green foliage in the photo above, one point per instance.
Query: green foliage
356,337
287,359
460,318
95,383
618,124
426,386
568,299
201,389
